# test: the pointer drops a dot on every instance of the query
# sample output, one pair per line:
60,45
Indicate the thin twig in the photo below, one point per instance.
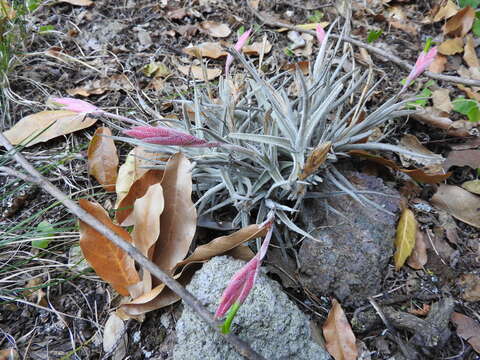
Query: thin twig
11,172
242,347
268,20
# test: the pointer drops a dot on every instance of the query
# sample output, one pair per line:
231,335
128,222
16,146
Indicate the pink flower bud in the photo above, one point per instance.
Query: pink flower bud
423,61
242,40
166,136
77,105
320,34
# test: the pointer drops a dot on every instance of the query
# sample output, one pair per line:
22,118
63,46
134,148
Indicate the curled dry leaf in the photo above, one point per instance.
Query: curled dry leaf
257,48
103,158
459,203
197,72
411,143
110,262
468,329
215,29
418,258
303,65
469,54
97,87
315,160
463,158
438,64
339,338
446,11
179,218
136,191
211,50
46,125
451,46
461,23
405,238
430,117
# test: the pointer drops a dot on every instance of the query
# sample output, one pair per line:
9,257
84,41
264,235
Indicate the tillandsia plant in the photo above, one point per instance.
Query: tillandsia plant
258,147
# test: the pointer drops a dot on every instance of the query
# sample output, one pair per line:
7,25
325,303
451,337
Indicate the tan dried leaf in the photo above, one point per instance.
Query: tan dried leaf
339,338
451,46
110,262
197,72
441,100
115,338
469,54
469,158
216,29
138,189
410,142
405,238
419,257
468,329
459,203
446,11
115,82
461,23
315,159
179,218
257,48
103,158
469,284
46,125
438,64
78,2
211,50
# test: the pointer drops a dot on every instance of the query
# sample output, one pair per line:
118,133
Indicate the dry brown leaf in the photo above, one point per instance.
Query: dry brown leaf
469,54
461,23
78,2
418,258
470,93
138,189
303,65
410,142
463,158
432,118
441,100
197,72
309,26
257,48
47,125
468,329
397,18
110,262
146,212
473,186
211,50
97,87
223,244
447,10
34,294
103,158
179,218
215,29
451,46
315,159
421,312
438,64
339,338
469,284
405,238
459,203
177,14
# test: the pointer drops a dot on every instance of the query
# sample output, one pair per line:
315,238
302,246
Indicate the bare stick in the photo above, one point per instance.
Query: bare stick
268,20
242,347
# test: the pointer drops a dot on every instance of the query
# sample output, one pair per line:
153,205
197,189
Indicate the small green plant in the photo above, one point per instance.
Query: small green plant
476,25
316,17
373,35
467,107
473,3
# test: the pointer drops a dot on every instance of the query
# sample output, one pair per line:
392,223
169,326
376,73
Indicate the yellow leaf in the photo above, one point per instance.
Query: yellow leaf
405,238
311,26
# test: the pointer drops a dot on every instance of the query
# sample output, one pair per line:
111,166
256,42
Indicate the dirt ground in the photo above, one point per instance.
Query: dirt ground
101,51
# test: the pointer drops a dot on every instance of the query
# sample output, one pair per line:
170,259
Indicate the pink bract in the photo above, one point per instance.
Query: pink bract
423,61
166,136
242,40
77,105
320,33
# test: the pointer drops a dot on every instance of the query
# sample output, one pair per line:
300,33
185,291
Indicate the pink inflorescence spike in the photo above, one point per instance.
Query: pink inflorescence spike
166,136
242,40
320,34
77,105
423,61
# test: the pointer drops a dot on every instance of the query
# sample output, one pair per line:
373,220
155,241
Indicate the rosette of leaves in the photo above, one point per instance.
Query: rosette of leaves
277,146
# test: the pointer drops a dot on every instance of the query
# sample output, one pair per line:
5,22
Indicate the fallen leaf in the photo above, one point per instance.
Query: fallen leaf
461,23
459,203
405,238
9,353
146,212
468,329
211,50
187,30
46,125
469,53
103,158
441,100
339,338
438,64
303,65
397,18
306,50
197,72
451,46
432,118
78,2
138,189
110,262
410,142
315,160
473,186
463,158
470,93
177,14
179,218
309,26
418,258
446,11
97,87
34,291
156,69
115,337
421,312
469,285
447,223
215,29
257,48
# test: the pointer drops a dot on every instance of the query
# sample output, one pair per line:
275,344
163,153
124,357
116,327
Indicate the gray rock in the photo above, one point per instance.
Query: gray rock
268,320
355,244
